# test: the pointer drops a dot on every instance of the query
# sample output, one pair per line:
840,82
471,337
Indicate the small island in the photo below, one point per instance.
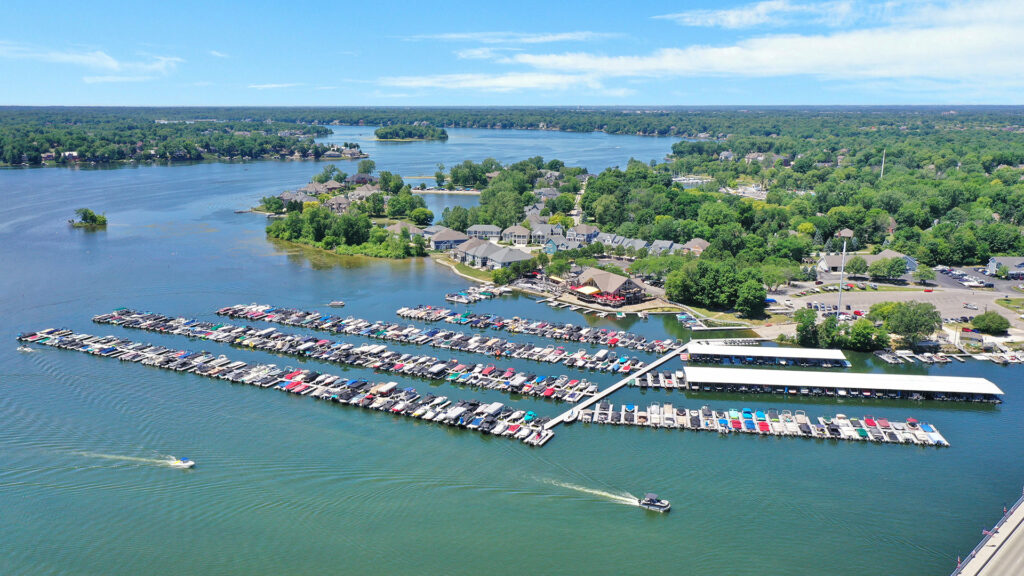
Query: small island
409,132
88,219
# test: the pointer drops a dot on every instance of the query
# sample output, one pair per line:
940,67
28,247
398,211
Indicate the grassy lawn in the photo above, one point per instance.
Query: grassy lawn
1015,305
733,318
482,275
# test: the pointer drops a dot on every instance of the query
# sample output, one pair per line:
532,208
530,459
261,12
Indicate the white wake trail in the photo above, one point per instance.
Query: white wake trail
624,498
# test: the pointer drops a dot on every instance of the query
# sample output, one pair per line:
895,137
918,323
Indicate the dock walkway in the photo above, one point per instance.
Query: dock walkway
1001,552
602,394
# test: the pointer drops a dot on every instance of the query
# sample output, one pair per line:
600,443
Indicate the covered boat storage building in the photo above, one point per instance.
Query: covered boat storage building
809,382
712,353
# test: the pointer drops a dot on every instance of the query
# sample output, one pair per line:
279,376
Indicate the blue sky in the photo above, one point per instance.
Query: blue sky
513,53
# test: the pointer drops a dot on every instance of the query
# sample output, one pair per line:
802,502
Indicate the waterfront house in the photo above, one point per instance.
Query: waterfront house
506,256
446,239
695,246
583,233
1015,266
433,229
338,204
484,232
832,262
295,196
557,243
363,192
315,189
606,288
360,179
516,235
397,228
541,232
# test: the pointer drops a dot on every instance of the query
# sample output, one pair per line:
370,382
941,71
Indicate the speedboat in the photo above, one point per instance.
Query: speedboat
181,463
25,349
652,502
336,303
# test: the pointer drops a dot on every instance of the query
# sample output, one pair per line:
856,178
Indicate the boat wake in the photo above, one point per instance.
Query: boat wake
624,498
164,461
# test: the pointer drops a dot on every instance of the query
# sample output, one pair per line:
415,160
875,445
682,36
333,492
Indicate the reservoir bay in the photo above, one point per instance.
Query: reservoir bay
286,484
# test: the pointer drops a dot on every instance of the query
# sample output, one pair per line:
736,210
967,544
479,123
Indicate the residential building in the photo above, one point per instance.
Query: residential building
484,232
1014,264
516,235
541,232
557,243
447,239
832,262
338,204
583,233
296,196
695,246
397,228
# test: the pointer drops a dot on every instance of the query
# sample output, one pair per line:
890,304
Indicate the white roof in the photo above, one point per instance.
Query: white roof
821,379
766,351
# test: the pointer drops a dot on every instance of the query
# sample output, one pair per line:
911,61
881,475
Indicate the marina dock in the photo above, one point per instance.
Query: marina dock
602,394
1001,551
377,357
492,418
766,423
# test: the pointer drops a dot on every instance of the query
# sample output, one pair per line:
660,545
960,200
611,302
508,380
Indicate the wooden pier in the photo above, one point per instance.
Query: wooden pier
1001,551
601,395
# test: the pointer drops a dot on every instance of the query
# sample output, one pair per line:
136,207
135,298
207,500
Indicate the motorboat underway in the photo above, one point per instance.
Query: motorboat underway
336,303
181,463
652,502
25,349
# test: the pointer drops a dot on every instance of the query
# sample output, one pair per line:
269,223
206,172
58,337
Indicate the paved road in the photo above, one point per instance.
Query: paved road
1003,553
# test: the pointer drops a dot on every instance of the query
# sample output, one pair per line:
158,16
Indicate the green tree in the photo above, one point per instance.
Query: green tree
863,337
558,268
367,166
912,321
421,216
456,218
806,332
923,274
439,176
828,333
750,300
503,276
272,204
991,323
857,266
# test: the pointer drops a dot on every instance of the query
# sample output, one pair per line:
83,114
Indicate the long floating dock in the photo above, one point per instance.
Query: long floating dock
601,361
766,423
1001,551
839,384
572,413
552,330
377,357
492,418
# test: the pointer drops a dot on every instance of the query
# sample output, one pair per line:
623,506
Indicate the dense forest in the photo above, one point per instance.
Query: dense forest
410,132
31,135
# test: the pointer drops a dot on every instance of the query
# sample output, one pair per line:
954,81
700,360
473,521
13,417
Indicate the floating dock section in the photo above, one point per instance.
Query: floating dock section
766,423
483,417
717,353
839,384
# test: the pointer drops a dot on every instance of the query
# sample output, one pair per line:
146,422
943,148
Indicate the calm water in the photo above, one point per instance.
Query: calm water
290,485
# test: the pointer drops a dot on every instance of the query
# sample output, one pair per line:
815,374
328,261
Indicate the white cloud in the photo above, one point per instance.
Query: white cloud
96,59
493,82
977,47
516,37
767,12
218,54
115,79
273,86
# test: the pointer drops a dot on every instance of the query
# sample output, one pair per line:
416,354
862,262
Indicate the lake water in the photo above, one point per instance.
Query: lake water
289,485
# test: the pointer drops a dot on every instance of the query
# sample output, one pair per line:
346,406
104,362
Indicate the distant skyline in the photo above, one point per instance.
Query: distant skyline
771,52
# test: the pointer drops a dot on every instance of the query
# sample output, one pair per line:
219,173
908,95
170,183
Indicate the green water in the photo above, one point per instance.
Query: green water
288,485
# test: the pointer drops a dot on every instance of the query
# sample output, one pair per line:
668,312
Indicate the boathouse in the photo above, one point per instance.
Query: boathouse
839,384
712,353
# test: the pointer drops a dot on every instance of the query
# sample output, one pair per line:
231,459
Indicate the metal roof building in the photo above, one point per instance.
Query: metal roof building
792,381
706,349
